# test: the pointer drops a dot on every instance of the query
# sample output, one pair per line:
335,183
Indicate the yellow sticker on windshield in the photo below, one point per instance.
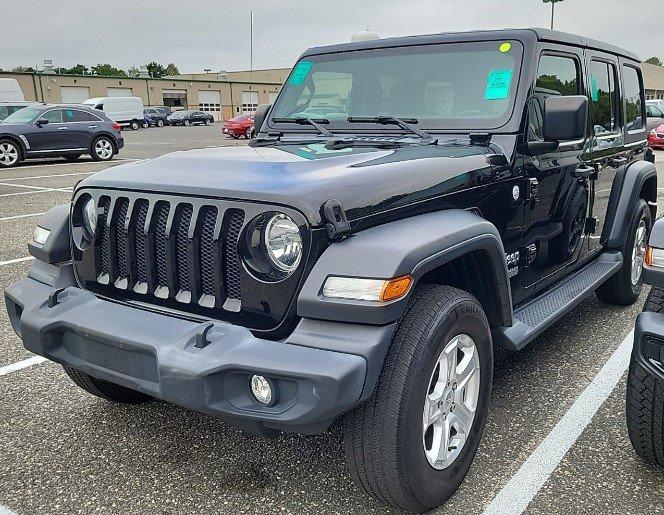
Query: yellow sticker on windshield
505,47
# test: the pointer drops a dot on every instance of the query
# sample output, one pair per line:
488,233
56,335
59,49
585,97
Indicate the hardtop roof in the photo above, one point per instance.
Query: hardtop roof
526,35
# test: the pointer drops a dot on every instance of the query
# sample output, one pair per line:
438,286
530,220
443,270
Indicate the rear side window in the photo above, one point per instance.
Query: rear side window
634,105
654,111
83,116
604,111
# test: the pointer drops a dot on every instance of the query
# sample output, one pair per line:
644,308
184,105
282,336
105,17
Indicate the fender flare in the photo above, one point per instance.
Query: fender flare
624,195
413,246
57,248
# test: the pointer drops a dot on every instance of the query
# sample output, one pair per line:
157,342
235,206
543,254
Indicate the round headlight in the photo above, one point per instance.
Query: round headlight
283,242
90,216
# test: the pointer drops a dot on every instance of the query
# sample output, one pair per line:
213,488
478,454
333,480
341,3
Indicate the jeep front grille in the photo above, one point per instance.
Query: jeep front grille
166,250
182,253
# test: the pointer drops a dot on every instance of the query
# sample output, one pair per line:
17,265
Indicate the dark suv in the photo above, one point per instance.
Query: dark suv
407,205
58,130
156,116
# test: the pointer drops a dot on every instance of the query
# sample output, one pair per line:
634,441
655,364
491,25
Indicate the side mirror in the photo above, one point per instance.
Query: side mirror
42,121
259,116
565,118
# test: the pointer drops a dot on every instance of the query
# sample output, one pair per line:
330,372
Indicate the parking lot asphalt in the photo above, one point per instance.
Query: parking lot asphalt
63,451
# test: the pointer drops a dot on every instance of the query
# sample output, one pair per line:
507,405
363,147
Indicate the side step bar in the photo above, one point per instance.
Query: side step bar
533,318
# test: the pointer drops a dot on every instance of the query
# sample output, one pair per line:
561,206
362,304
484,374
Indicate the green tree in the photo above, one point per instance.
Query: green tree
155,69
79,69
133,72
23,69
106,70
171,69
653,60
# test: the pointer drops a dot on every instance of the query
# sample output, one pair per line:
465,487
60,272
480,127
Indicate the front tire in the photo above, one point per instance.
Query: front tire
186,123
208,123
104,389
10,153
645,400
624,287
431,401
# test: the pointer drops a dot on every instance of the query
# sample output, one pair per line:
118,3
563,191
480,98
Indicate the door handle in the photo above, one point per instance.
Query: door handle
583,172
63,128
615,162
92,127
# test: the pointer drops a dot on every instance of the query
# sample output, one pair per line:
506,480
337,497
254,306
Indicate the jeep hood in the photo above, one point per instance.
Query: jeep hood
365,181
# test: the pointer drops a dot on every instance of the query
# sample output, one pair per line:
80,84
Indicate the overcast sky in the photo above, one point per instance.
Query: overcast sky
198,34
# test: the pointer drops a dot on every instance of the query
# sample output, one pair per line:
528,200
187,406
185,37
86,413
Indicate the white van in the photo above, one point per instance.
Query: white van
10,91
123,110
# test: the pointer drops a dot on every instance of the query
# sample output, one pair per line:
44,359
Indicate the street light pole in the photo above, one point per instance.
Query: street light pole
553,5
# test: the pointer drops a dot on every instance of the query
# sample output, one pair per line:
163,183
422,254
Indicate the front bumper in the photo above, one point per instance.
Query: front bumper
158,354
649,343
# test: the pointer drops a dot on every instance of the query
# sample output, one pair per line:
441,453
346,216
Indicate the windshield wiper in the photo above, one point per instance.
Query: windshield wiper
404,123
316,123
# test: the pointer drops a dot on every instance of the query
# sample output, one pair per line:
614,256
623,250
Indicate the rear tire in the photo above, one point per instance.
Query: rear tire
160,123
386,439
624,287
104,389
645,400
10,153
186,123
134,125
208,123
102,149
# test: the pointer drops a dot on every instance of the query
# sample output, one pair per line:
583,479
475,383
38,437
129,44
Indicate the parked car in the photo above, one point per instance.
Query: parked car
58,130
363,258
241,125
127,111
10,91
645,379
7,108
656,137
654,116
155,117
188,118
658,102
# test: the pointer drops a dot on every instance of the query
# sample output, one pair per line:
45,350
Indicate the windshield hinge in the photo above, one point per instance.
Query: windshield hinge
480,138
337,225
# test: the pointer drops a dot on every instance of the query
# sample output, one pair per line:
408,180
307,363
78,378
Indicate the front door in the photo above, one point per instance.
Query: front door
51,136
556,212
607,143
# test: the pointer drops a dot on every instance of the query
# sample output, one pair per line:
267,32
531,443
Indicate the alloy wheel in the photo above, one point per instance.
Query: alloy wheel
638,252
451,402
8,154
104,149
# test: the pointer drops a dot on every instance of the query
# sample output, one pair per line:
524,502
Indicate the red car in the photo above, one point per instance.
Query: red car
242,125
656,137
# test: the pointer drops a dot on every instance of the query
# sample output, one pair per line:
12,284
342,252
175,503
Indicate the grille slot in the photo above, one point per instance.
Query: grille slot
161,214
104,204
207,248
121,209
234,219
141,252
185,211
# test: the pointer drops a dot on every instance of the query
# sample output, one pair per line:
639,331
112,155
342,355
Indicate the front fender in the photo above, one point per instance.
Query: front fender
412,246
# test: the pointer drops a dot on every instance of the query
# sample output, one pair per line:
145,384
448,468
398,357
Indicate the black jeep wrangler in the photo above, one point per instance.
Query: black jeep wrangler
407,205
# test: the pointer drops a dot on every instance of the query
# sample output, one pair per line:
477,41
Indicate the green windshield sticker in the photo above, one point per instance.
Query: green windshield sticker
300,73
594,89
498,85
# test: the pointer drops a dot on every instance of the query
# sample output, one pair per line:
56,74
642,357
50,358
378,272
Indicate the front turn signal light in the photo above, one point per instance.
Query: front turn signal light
359,288
396,288
654,258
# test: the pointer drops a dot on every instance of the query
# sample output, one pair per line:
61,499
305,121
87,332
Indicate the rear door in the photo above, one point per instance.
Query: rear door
607,143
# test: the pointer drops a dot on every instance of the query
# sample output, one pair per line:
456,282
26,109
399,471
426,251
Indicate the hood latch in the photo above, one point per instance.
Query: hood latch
337,225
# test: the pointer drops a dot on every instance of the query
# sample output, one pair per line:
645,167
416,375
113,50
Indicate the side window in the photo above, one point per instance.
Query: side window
604,110
556,75
634,104
53,116
82,116
68,115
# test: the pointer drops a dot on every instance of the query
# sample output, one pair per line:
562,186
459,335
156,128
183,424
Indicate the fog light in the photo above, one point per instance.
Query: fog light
262,389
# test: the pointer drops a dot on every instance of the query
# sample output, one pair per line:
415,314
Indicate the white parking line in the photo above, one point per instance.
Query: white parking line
15,367
34,192
515,496
16,217
17,260
54,165
27,177
23,186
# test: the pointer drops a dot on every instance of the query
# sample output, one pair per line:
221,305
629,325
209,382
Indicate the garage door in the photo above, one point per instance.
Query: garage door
175,98
119,92
249,101
210,102
74,94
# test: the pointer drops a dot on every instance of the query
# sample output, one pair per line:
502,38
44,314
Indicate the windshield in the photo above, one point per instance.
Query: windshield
443,86
25,115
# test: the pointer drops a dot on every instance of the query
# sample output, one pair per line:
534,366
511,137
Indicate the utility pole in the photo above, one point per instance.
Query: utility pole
251,46
553,4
